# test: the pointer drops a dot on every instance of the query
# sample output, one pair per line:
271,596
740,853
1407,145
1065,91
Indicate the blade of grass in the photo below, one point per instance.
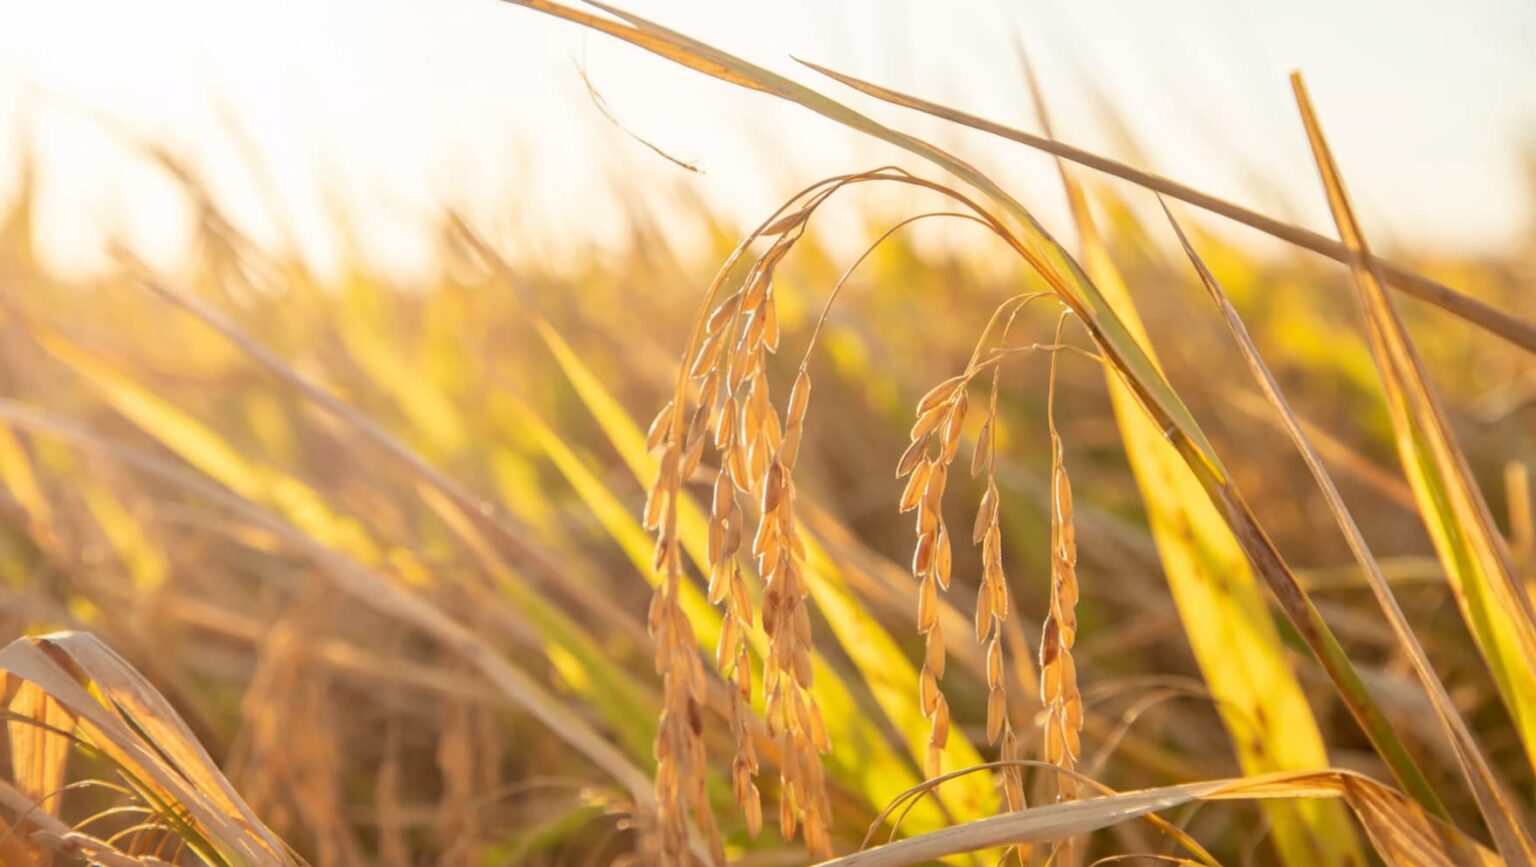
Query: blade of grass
18,475
1495,606
145,561
1511,328
433,421
1225,618
119,714
1498,811
1404,835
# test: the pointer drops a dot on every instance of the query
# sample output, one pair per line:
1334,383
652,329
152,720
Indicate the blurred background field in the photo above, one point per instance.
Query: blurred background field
169,486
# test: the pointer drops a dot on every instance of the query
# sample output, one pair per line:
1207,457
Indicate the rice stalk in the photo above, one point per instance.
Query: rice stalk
1517,331
1214,587
1498,811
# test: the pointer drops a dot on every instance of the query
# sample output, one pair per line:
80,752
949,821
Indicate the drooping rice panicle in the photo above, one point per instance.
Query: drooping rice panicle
994,592
1058,673
935,439
732,410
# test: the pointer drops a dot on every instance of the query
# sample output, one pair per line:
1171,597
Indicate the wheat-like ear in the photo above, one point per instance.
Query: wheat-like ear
1058,674
993,596
679,432
759,461
723,401
680,758
935,440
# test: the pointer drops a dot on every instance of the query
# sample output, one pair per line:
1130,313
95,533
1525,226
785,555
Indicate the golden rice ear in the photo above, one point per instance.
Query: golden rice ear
940,414
757,453
1058,676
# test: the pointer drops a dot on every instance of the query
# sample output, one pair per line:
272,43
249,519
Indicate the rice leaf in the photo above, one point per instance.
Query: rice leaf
1225,618
1497,610
122,716
1403,834
1498,811
1517,331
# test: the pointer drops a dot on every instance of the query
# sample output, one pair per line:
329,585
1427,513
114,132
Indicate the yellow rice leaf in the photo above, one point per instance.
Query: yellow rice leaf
1218,597
1402,833
120,715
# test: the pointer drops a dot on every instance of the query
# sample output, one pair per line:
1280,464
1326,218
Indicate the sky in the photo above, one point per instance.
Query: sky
388,110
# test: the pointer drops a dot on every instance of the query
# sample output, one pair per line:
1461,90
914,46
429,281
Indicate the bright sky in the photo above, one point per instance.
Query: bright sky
392,107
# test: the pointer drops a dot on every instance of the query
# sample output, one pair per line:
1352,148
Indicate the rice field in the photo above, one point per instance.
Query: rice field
1136,543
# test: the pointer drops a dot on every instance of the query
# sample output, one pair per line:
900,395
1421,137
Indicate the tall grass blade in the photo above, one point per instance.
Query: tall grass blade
1498,811
1225,618
1403,834
1515,330
122,716
1497,610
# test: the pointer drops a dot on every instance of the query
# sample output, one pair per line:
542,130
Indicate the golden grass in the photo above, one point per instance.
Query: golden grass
398,578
